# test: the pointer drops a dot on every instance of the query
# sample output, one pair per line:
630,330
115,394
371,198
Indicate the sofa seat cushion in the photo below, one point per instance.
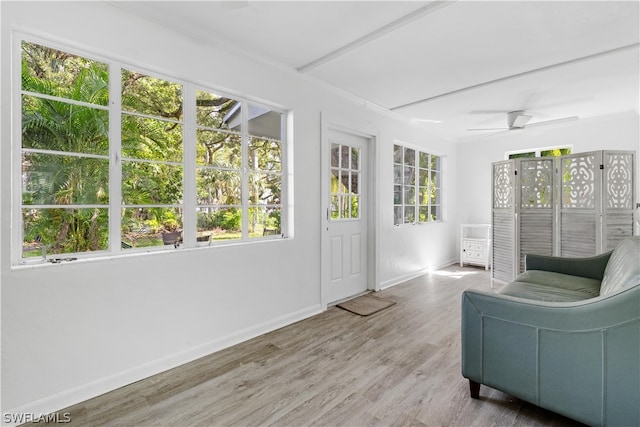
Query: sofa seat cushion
550,286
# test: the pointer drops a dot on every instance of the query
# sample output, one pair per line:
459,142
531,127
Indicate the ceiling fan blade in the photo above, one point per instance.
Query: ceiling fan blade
484,129
553,122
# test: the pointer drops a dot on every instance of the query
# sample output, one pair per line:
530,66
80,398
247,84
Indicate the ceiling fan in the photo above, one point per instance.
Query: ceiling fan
519,120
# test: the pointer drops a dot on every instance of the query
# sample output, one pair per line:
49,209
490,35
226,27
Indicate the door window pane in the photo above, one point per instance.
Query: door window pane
345,182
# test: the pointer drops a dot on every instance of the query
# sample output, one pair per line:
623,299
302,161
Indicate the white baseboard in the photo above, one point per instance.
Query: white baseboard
59,401
412,275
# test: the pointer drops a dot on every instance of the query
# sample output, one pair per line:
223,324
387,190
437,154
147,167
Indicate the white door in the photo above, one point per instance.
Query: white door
345,253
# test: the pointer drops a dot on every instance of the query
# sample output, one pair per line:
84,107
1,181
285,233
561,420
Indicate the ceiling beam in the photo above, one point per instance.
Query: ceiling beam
513,76
387,28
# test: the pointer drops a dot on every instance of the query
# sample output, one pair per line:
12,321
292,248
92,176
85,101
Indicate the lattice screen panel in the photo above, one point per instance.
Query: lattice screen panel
503,220
618,194
577,206
535,203
579,235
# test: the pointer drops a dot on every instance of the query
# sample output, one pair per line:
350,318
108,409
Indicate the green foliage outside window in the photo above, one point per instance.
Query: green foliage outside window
66,158
417,177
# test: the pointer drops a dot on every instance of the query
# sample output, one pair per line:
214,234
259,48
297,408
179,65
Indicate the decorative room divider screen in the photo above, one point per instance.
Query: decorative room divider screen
575,205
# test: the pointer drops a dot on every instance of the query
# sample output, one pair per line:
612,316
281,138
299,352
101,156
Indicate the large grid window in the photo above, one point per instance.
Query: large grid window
114,159
416,186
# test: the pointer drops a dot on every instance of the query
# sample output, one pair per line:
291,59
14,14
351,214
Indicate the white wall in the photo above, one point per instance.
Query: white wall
614,132
73,331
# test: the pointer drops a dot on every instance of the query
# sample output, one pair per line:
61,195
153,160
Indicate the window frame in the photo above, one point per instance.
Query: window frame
115,158
416,186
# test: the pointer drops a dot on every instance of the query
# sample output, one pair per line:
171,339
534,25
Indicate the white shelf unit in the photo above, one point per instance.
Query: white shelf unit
475,244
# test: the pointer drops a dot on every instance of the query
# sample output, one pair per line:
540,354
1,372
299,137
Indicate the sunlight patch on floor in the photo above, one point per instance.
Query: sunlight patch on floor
454,274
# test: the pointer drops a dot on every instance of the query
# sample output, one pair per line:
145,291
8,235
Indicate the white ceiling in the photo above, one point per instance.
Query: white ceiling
462,63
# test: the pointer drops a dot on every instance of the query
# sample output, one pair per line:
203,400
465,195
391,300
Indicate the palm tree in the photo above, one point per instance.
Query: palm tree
65,150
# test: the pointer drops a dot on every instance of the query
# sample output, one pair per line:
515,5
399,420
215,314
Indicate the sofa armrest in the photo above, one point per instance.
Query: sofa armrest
591,267
579,359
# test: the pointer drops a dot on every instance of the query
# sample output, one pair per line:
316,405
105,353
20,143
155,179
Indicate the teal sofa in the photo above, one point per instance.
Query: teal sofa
564,335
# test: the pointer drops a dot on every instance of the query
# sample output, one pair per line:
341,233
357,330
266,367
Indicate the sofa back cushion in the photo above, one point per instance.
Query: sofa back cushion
623,269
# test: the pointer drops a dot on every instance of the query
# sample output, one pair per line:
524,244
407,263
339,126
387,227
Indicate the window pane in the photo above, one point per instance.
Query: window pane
335,207
218,187
556,152
264,123
409,215
409,157
344,157
397,215
79,175
219,149
409,195
397,174
397,194
436,214
409,175
151,139
423,212
264,154
217,112
52,72
397,154
264,221
355,182
145,227
435,163
151,183
522,155
335,156
64,231
54,125
435,179
149,95
218,223
264,189
435,196
424,196
344,207
49,179
354,206
335,181
424,160
355,158
344,182
423,179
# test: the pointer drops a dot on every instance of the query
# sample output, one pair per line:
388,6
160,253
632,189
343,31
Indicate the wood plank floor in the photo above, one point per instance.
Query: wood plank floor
398,367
